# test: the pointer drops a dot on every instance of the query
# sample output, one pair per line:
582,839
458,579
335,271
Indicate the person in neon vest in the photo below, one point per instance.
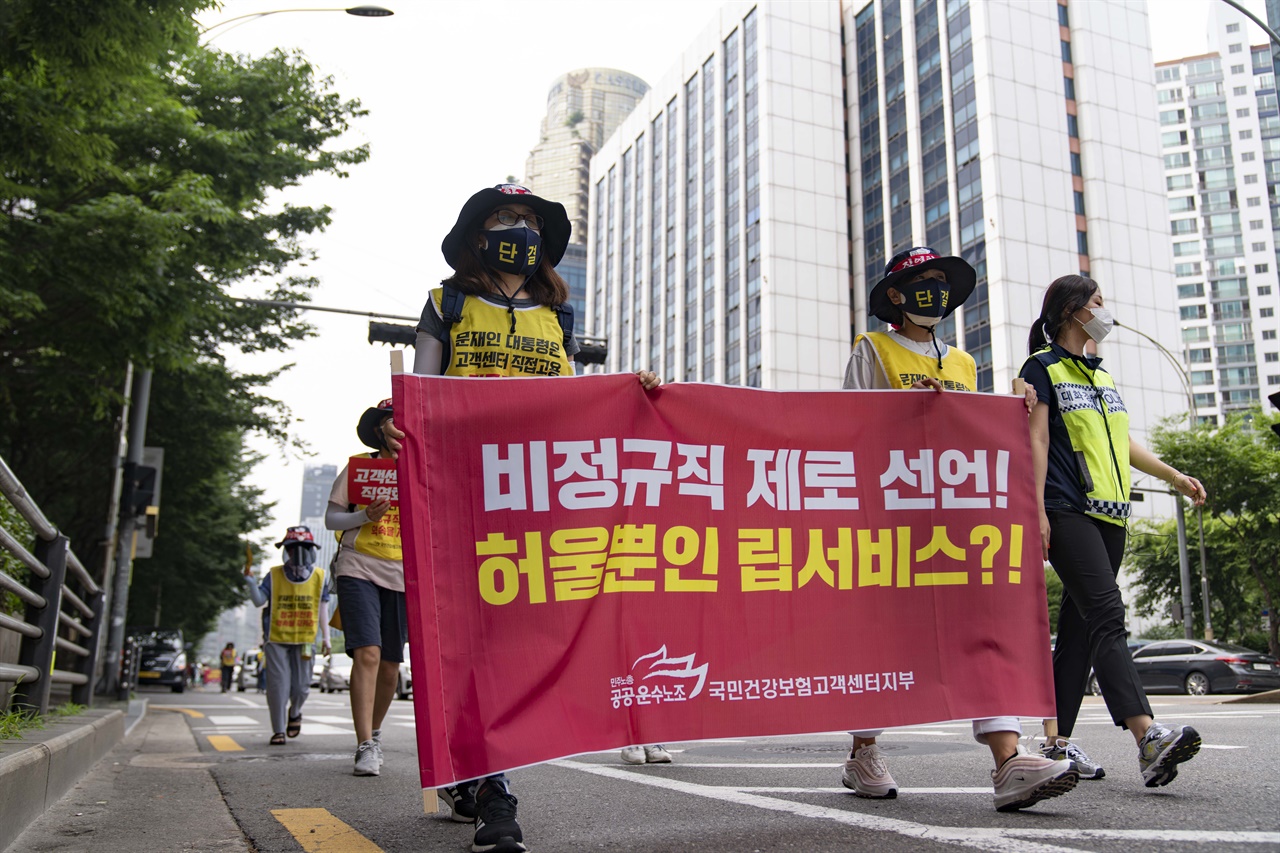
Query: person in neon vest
295,602
228,665
1082,452
920,288
503,250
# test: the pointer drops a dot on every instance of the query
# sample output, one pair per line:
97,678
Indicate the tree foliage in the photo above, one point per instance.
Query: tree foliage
1239,464
140,178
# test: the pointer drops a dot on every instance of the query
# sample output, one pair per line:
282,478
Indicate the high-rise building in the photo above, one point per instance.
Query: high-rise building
743,211
317,482
1220,137
584,107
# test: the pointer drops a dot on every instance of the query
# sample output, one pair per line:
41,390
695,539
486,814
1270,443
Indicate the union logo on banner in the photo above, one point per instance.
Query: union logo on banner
370,480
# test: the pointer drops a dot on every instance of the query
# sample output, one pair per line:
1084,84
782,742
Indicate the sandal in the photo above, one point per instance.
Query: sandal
295,726
277,739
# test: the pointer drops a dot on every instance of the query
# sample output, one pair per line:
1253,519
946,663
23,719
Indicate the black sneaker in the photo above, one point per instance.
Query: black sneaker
496,827
461,800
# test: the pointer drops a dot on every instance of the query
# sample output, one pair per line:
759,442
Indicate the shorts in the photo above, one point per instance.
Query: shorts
373,616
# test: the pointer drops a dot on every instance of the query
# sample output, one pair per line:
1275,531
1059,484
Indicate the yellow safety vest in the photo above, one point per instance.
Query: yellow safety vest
295,607
1098,424
228,657
482,343
904,368
379,538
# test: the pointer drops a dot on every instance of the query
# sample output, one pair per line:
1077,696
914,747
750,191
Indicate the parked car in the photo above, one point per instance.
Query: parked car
404,686
1092,687
162,657
336,674
1197,667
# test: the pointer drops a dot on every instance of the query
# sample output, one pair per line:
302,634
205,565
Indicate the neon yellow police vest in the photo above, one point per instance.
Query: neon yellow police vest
904,368
1098,424
379,538
482,343
295,607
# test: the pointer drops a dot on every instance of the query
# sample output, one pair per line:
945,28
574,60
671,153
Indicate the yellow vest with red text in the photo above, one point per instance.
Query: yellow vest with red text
295,607
904,368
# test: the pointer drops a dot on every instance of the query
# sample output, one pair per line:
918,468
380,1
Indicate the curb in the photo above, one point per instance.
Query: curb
50,764
1271,697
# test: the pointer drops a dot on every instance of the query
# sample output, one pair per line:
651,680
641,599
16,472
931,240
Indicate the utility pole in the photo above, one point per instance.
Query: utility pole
128,523
113,512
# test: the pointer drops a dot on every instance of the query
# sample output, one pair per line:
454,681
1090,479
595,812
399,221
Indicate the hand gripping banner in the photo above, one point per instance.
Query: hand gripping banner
591,566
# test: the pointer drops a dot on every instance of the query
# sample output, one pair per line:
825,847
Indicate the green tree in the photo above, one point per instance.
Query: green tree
140,178
1239,464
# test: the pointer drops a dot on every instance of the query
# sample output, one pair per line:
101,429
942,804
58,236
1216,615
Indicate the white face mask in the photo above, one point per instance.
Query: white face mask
922,321
1100,326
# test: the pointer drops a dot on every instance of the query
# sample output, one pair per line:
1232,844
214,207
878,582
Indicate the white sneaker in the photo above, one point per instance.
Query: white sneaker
1026,779
367,761
377,743
656,754
866,775
633,755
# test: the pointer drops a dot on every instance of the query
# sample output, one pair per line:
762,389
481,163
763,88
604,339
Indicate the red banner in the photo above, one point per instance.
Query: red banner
370,480
589,566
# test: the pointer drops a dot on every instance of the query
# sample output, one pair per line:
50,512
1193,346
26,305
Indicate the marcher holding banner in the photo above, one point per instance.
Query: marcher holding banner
296,603
919,289
1082,452
503,313
370,584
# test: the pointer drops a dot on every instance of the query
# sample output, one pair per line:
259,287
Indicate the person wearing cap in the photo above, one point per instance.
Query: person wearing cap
369,575
295,603
920,288
1082,451
503,313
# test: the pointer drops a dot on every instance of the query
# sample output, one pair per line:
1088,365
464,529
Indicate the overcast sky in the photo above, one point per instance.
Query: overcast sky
456,91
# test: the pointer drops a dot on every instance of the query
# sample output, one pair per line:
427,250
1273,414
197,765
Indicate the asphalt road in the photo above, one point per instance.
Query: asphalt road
751,795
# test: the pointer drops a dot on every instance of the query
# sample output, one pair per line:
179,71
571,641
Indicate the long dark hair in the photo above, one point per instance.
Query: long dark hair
1065,296
545,286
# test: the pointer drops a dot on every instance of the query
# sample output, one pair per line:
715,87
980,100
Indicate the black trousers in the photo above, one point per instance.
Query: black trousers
1086,552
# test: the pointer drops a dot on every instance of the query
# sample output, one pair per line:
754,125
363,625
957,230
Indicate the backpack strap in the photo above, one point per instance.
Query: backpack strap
451,301
564,313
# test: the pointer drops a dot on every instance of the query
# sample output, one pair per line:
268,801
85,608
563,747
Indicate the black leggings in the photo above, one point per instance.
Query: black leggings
1086,552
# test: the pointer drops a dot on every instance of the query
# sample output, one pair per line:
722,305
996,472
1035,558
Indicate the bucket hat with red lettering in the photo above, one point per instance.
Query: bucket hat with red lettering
555,221
300,535
908,264
367,428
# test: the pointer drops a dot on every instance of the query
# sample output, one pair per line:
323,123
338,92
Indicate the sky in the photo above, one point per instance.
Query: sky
456,91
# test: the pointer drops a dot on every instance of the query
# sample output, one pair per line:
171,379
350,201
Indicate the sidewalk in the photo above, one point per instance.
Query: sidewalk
152,792
37,768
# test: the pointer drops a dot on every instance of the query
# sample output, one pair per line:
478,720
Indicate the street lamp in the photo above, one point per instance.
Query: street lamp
1184,566
358,11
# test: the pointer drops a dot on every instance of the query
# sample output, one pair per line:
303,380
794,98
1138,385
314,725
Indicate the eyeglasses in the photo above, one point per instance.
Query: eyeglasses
510,217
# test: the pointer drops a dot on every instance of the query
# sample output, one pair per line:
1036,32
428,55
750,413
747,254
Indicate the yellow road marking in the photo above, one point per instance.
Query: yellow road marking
188,711
318,831
223,743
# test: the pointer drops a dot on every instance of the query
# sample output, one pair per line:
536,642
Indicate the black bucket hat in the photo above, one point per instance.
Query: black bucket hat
555,221
909,264
367,428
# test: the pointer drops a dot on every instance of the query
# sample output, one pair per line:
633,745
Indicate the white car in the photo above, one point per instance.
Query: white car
404,687
336,674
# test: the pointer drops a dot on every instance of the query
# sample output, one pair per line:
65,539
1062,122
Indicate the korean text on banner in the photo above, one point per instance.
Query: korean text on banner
370,480
590,566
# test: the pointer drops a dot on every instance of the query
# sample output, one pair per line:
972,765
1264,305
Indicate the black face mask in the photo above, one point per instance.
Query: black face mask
512,250
926,298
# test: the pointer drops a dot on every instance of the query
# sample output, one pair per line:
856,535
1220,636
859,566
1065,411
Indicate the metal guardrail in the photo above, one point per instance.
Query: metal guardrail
58,580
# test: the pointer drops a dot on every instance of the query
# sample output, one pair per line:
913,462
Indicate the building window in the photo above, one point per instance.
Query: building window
1062,16
1260,267
1271,357
1066,51
1235,48
1170,72
1240,90
1243,112
1264,290
1255,201
1079,202
1250,179
1246,134
1273,379
1237,69
1073,126
1192,312
1075,165
1266,312
1233,28
1082,243
1259,247
1255,224
1268,334
1069,85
